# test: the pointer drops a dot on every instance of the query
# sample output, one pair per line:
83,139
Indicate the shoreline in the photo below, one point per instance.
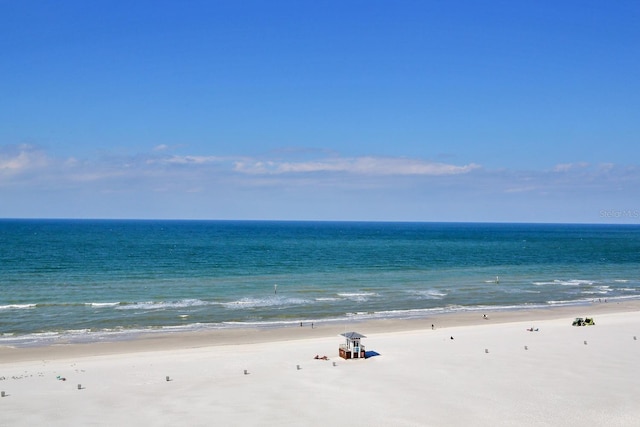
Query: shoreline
149,342
496,372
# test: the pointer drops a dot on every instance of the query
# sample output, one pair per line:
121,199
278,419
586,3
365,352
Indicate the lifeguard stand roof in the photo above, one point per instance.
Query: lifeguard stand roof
352,335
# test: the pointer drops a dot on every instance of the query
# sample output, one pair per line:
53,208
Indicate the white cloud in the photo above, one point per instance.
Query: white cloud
606,167
360,165
566,167
22,158
186,160
524,189
337,180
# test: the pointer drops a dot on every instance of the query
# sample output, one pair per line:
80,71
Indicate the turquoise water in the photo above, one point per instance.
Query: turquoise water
86,280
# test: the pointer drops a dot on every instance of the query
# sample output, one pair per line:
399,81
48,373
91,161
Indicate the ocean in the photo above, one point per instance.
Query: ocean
94,280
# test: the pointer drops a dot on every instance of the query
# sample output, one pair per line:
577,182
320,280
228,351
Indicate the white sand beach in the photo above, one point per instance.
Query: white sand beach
493,372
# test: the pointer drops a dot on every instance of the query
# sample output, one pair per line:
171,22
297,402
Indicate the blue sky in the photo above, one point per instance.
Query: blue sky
321,110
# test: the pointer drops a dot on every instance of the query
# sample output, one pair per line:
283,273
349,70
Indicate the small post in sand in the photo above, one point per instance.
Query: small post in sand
585,343
79,386
486,350
246,372
2,394
167,378
298,367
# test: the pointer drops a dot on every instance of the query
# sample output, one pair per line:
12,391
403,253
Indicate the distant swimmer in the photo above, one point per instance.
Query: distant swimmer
497,279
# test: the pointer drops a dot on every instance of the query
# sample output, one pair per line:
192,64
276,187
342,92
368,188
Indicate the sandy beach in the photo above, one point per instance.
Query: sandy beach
466,371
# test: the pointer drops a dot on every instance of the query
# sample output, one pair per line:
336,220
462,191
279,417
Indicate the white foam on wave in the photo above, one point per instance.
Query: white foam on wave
623,298
358,296
102,304
184,327
599,290
153,305
275,323
33,339
429,294
484,308
572,282
249,302
82,336
570,302
426,312
578,282
17,306
362,315
405,314
590,301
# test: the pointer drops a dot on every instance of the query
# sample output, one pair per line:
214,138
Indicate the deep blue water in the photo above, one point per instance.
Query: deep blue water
82,280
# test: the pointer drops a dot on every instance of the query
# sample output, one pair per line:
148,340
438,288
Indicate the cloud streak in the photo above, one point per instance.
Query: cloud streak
284,186
18,159
29,163
382,166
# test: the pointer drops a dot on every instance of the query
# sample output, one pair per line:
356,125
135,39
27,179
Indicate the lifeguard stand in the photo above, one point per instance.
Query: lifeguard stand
352,349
